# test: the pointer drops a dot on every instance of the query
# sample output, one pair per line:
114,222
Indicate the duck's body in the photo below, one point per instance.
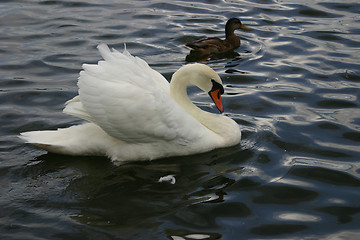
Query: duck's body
135,114
214,46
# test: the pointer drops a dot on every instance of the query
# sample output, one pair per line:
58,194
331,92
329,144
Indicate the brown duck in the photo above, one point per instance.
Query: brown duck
214,46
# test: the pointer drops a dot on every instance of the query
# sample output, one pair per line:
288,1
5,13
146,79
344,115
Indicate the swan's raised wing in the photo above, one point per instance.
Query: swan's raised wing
130,101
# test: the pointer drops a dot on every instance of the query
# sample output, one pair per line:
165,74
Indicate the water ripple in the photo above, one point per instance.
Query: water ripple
292,87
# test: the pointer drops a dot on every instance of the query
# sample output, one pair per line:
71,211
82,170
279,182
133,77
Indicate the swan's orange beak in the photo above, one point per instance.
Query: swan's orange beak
216,97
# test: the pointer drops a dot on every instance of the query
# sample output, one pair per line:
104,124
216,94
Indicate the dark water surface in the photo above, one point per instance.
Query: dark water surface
293,89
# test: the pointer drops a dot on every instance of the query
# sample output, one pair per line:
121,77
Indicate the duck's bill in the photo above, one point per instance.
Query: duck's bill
216,97
244,28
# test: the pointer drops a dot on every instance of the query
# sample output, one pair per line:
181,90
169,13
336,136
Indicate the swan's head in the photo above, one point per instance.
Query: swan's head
205,78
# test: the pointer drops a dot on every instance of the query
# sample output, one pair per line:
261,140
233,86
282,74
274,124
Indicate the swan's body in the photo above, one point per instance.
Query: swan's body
135,114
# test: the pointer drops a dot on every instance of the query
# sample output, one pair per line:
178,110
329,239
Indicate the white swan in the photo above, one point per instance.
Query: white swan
133,113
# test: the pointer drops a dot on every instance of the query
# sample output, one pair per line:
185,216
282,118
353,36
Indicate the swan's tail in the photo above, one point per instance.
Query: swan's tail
75,140
42,139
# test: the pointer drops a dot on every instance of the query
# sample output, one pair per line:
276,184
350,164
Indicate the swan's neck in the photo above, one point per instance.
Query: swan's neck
178,91
226,128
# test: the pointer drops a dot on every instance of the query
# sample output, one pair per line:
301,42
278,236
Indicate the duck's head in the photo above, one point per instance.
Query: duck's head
206,79
233,24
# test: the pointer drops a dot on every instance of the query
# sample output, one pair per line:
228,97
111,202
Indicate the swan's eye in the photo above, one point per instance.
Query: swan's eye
217,86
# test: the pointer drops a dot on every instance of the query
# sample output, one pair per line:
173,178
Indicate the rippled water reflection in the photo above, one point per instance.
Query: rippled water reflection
293,89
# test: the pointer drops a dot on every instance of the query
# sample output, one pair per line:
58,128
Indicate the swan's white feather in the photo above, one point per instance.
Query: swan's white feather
133,116
120,96
75,108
